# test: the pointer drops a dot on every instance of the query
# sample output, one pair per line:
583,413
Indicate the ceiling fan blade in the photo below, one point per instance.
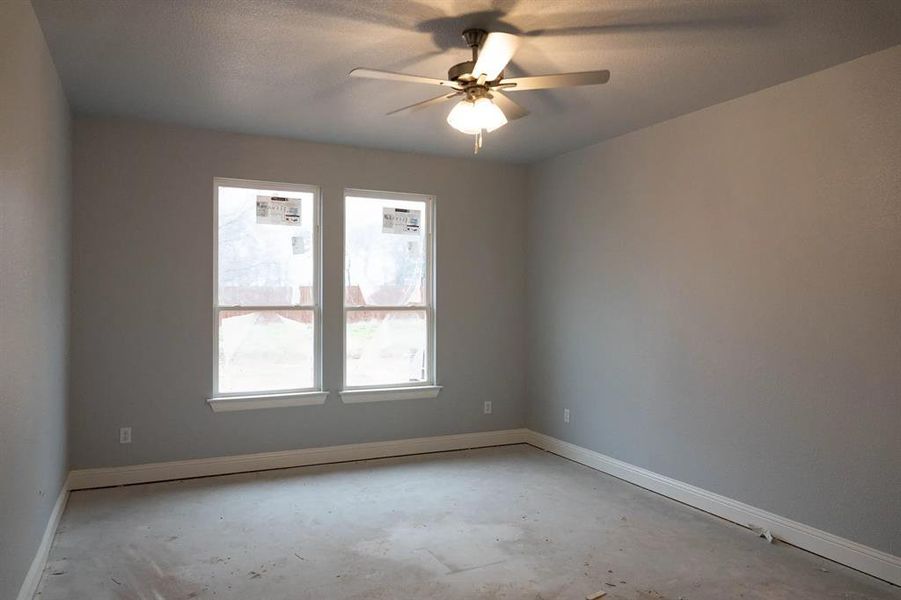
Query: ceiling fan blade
494,55
543,82
426,103
511,109
392,76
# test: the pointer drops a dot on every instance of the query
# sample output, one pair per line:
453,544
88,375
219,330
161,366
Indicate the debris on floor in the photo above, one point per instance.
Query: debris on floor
764,533
651,595
596,595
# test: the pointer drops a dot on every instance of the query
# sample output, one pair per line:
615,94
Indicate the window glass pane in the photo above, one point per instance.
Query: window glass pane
385,252
264,261
386,347
265,350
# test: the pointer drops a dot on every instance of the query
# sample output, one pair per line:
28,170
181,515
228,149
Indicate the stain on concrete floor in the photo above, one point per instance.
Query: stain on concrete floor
509,522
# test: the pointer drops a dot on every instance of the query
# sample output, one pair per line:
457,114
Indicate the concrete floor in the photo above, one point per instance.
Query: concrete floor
510,522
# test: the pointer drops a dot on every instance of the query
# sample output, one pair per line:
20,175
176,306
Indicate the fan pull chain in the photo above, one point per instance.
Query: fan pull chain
477,143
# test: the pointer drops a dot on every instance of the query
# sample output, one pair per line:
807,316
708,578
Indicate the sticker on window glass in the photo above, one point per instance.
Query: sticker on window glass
401,220
298,244
276,210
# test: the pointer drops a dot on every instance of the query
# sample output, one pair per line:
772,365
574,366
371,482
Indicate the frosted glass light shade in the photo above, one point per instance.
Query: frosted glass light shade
489,115
462,117
472,117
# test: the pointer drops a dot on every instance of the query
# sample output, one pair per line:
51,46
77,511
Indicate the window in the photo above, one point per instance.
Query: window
389,317
267,321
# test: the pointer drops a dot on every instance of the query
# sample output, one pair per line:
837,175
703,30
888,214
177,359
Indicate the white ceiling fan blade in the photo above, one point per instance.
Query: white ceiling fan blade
404,77
511,109
426,103
494,55
543,82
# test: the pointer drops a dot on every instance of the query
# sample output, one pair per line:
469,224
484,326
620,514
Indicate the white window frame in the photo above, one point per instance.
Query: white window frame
394,391
231,401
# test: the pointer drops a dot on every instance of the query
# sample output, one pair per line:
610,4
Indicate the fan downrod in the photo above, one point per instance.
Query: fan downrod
474,39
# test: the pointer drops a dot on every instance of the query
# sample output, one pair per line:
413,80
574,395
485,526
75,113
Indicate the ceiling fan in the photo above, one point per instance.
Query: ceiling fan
480,84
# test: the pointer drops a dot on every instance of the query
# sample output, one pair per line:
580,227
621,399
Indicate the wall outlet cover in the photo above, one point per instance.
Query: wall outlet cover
125,435
487,407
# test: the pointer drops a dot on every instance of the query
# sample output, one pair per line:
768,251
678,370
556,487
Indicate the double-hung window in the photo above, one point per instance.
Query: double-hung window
267,306
389,313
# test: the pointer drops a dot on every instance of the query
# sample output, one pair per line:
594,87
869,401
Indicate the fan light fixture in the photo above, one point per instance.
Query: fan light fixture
471,117
481,85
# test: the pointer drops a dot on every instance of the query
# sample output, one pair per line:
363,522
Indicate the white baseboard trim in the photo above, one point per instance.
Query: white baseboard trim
863,558
33,577
184,469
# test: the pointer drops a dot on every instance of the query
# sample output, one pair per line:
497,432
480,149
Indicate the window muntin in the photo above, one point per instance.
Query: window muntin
267,288
388,310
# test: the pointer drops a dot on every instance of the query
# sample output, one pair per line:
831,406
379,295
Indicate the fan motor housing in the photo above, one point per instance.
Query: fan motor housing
461,70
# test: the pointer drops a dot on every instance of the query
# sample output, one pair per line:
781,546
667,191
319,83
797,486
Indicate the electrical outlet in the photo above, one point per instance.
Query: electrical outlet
125,435
487,407
566,415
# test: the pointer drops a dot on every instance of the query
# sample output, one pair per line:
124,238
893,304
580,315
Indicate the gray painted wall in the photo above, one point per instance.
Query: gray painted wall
34,264
717,298
142,350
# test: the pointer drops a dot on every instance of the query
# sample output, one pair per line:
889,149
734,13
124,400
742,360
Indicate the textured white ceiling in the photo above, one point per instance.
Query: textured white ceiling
280,68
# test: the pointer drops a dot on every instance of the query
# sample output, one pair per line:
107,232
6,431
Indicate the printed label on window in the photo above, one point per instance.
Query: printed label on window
401,220
298,246
276,210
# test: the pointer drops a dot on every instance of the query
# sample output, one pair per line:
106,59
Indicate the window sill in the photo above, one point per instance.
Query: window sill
385,394
232,403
